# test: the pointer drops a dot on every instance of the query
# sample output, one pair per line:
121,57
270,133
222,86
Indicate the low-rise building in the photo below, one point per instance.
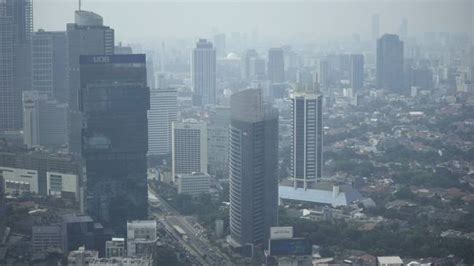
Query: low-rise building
389,261
141,235
46,238
193,184
17,181
115,247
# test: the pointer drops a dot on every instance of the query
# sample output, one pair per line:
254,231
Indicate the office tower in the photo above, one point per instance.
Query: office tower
119,49
357,72
86,36
253,159
203,73
46,237
219,42
150,74
16,25
189,151
163,111
276,66
324,74
375,27
114,101
390,63
307,133
218,141
44,121
248,56
7,88
404,30
49,64
82,231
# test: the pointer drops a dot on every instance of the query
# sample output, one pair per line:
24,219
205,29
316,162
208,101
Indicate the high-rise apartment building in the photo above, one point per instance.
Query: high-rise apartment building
163,112
220,44
253,159
114,103
390,63
307,133
356,74
276,66
49,64
189,151
203,73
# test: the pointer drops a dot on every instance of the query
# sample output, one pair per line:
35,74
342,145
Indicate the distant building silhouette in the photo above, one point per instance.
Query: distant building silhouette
356,74
114,103
253,160
276,65
390,63
203,73
375,27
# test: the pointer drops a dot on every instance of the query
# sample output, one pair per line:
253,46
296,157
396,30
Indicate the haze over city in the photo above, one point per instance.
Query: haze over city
236,132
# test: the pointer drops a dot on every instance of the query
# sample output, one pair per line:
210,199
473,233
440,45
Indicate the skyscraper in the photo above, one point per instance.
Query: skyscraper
390,63
87,36
189,151
307,133
375,27
163,112
203,73
253,158
219,42
44,121
218,141
357,72
114,101
49,63
16,25
276,66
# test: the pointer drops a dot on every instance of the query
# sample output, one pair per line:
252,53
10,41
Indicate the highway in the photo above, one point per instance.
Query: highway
196,243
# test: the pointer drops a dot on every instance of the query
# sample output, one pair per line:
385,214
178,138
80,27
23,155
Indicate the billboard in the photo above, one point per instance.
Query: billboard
112,59
281,232
290,247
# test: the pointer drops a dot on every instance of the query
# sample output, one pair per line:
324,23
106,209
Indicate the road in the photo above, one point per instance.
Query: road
196,243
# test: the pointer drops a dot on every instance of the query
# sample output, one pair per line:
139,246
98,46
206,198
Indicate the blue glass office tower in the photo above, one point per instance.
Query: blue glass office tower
114,100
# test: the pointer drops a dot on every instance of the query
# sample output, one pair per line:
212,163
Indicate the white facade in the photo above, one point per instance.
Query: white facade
389,261
203,72
189,149
18,181
140,235
115,247
59,184
193,184
307,133
163,111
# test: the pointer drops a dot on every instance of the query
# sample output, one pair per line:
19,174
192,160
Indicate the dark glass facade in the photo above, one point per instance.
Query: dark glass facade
114,100
253,158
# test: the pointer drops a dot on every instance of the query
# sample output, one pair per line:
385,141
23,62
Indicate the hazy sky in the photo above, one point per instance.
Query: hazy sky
152,19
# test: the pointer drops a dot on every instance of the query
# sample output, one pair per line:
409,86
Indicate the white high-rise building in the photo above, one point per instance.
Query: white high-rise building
189,151
163,111
306,147
203,73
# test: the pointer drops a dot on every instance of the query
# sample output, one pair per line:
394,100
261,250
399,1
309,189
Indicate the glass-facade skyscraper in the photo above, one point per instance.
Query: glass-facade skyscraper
253,160
114,100
390,63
